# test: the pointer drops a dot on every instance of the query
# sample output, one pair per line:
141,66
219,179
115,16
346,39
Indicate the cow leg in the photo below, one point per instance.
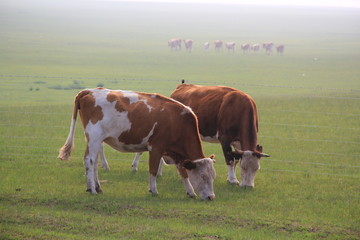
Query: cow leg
90,162
189,188
154,161
230,162
104,163
135,162
161,164
232,173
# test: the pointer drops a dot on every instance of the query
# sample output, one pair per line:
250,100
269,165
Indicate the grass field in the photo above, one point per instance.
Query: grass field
308,102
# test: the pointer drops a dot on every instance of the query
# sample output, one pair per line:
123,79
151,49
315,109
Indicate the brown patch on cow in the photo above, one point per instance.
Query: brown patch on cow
119,105
87,109
140,127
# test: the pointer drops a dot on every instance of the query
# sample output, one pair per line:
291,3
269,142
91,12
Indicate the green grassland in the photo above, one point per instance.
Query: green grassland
308,102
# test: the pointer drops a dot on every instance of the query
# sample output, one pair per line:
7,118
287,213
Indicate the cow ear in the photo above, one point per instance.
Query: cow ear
259,148
189,165
212,157
237,154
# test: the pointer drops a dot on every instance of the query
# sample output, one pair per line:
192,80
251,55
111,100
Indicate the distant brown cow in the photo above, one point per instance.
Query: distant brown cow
230,46
135,122
175,44
218,45
268,47
188,45
280,49
245,47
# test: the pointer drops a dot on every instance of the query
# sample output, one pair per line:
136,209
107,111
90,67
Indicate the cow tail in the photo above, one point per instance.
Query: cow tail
65,151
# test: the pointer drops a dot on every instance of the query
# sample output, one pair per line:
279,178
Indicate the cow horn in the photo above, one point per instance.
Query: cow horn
264,155
239,151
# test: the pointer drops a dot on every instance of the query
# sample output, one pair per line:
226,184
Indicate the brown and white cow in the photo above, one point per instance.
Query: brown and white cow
135,122
255,47
175,44
268,47
280,49
228,116
230,46
188,45
206,46
218,45
245,47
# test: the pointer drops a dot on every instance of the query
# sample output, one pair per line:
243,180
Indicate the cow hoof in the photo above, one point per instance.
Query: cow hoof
233,182
191,195
153,193
247,187
89,191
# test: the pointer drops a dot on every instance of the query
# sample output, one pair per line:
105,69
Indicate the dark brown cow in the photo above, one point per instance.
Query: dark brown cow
135,122
228,116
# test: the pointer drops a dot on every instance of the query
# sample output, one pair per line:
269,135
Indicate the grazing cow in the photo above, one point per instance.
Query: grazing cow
175,44
268,47
135,122
230,46
280,49
218,45
245,47
206,46
188,45
255,47
228,116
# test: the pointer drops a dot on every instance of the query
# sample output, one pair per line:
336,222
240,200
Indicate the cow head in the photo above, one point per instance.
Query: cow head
250,163
201,174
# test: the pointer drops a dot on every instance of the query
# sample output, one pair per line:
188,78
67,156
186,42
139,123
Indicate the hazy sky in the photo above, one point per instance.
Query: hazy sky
328,3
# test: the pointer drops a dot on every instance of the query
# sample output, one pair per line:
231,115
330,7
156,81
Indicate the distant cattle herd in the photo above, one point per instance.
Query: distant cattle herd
175,44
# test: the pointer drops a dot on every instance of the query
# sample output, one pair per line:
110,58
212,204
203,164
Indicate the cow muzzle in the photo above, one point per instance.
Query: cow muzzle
211,197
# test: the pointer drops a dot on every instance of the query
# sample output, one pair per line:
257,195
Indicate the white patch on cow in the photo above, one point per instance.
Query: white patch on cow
232,175
134,98
161,110
186,110
146,139
249,165
153,188
135,162
202,178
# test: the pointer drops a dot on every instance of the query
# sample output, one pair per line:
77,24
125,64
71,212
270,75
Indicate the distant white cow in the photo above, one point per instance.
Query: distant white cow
255,47
230,46
175,44
218,45
206,46
245,47
280,49
188,45
268,47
